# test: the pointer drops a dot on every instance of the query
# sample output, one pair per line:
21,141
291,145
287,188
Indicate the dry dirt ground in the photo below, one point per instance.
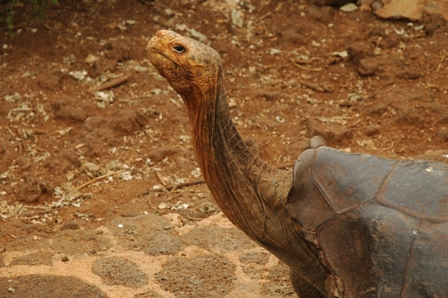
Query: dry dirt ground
88,206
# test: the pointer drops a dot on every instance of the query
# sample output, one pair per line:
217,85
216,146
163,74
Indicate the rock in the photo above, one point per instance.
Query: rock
372,130
389,41
67,108
267,95
324,14
294,35
127,122
254,257
441,136
254,271
50,82
237,18
217,239
368,67
349,7
333,134
122,123
103,65
409,115
383,39
91,169
47,286
86,242
163,244
146,233
433,22
409,73
71,225
118,271
358,51
180,277
96,123
32,189
71,156
77,114
369,5
159,154
63,161
412,10
34,259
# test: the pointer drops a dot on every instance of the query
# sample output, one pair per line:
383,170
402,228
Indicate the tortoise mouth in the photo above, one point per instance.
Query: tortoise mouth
156,55
159,60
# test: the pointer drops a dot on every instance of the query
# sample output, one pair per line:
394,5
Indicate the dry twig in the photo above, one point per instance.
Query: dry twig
22,142
444,57
39,131
305,68
314,86
111,83
160,178
41,212
150,204
99,178
263,17
172,187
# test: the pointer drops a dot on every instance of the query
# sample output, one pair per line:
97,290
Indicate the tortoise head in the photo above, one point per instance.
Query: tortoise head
190,66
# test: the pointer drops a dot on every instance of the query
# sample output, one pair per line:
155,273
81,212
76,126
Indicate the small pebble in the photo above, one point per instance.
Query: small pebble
70,226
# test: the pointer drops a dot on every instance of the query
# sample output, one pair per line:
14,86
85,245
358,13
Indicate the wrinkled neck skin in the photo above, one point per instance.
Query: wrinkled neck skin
250,193
246,189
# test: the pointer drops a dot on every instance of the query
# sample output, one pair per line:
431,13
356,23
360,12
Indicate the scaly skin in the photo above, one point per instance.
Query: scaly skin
250,193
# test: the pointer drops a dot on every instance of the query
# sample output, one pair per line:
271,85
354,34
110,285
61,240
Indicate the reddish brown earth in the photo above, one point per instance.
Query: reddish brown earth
81,210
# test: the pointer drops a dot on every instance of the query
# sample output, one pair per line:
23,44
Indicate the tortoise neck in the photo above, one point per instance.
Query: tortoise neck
249,192
246,189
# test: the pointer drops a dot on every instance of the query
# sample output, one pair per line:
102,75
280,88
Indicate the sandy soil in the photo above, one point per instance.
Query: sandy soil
89,205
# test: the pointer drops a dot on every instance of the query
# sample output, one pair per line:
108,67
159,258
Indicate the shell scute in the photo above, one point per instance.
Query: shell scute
349,180
419,188
426,275
368,249
305,202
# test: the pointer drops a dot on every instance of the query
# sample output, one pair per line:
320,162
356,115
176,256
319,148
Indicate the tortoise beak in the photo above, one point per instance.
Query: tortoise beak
161,40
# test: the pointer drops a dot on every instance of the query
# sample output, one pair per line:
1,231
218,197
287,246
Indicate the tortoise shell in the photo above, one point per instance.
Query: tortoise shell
379,226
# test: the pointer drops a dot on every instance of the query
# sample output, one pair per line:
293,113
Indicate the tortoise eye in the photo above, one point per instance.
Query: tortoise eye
179,49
